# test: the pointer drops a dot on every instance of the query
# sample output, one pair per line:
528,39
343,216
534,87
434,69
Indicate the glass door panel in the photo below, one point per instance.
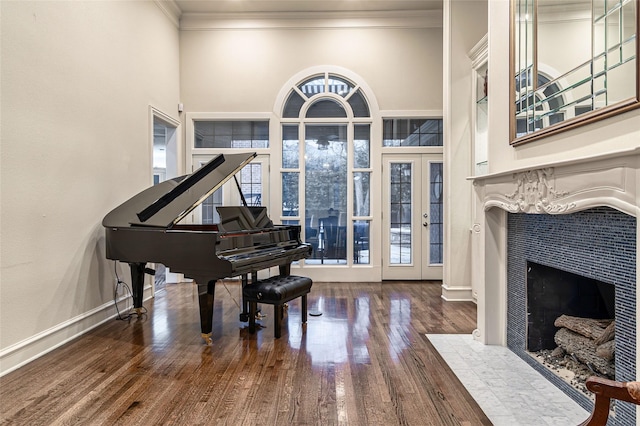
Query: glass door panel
401,207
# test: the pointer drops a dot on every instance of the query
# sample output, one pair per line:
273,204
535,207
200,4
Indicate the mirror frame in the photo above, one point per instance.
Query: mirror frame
581,120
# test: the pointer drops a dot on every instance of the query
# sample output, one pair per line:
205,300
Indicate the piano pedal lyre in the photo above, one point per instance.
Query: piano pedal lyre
207,338
244,316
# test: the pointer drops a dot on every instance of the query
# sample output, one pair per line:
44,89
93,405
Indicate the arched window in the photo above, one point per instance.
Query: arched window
326,167
541,108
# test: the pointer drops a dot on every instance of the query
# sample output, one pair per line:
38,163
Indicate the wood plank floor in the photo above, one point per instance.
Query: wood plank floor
364,361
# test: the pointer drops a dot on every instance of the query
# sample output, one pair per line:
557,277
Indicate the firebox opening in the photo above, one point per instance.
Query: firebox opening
552,292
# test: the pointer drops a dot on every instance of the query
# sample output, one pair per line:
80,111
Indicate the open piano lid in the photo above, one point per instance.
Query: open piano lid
168,202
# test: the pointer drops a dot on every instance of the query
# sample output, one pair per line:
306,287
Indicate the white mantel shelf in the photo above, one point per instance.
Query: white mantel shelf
564,163
564,187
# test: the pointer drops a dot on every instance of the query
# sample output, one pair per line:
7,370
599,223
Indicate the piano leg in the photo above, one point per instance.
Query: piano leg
244,315
137,285
206,296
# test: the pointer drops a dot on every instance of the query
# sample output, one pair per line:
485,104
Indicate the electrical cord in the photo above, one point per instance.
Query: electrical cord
232,297
125,287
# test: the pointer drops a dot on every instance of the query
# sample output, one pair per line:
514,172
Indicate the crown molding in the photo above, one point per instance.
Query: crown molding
310,20
479,53
171,9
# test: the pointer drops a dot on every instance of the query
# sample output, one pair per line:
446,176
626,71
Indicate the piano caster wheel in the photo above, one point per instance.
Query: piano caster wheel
207,339
139,312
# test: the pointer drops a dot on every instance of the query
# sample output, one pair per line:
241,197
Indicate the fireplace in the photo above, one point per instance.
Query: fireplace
552,292
598,245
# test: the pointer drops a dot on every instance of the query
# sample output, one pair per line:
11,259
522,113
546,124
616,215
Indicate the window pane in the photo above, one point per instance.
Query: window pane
293,105
339,86
359,105
435,226
401,204
312,86
326,190
361,145
231,134
361,193
250,179
290,152
290,203
361,241
326,108
209,214
412,132
251,184
260,134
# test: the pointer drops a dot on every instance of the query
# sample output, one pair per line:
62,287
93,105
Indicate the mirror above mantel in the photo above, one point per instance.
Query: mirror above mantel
572,62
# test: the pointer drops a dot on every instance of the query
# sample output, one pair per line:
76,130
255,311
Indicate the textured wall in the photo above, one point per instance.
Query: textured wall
599,243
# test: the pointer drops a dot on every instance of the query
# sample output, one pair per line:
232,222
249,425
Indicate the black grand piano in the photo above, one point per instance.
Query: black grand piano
145,229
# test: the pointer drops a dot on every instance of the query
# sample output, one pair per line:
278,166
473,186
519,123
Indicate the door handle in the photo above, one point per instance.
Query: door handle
425,224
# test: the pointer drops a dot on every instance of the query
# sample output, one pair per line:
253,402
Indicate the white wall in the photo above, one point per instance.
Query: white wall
465,24
78,79
242,70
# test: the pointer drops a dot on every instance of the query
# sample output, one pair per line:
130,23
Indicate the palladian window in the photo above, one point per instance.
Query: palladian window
326,168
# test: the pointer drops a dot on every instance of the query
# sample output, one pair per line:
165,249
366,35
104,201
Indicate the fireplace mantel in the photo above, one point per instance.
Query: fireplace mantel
565,187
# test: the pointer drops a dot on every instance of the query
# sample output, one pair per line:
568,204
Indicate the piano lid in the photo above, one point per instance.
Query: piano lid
168,202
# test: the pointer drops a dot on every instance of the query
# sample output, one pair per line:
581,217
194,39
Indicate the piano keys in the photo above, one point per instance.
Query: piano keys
145,229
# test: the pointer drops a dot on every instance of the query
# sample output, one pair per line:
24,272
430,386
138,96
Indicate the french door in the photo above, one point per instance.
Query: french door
412,217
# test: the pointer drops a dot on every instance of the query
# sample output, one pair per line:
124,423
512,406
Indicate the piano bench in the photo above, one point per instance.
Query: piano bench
276,291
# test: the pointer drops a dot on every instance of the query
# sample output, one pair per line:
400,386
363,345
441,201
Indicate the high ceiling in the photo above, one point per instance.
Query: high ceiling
280,6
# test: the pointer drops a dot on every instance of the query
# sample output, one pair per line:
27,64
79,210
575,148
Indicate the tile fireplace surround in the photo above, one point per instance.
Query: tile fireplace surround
578,216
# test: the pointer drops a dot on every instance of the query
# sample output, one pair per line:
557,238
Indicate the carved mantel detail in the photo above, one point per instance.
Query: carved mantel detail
535,193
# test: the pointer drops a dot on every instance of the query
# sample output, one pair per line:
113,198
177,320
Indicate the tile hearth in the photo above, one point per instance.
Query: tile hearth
509,391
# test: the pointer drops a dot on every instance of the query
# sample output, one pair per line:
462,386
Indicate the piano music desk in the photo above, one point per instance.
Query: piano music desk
276,291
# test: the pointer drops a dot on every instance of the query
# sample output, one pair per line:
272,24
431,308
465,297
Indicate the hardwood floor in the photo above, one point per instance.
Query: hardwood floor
364,361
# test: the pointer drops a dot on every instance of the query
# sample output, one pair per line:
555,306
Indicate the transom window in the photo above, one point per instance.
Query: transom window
412,132
231,134
325,84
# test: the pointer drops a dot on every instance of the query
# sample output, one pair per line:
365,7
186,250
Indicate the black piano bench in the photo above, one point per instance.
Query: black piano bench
276,291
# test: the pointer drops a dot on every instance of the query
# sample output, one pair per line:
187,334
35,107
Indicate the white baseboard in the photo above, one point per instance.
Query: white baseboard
25,351
457,294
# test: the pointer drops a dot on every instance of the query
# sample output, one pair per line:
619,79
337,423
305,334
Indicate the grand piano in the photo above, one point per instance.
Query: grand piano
145,229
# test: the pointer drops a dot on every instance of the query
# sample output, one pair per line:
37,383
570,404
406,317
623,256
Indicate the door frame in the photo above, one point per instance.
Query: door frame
173,148
419,267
